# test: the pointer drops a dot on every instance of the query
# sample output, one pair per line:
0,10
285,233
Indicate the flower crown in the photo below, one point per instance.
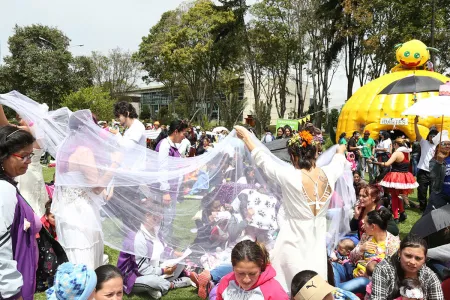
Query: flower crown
302,139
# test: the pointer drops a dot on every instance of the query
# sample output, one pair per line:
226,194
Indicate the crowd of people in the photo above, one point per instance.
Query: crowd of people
261,228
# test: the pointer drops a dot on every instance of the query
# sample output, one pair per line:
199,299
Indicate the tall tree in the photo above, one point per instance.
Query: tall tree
276,21
93,98
188,48
117,72
39,63
230,107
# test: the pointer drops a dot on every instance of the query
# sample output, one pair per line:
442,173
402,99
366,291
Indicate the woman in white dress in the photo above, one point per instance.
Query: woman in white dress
306,190
78,193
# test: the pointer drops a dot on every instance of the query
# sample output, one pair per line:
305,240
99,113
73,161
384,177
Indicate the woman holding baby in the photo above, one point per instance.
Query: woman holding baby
375,245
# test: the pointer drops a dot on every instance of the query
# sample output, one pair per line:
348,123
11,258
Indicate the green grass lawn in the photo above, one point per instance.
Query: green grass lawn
190,293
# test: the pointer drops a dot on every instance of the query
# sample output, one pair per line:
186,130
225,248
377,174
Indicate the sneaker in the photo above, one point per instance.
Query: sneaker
154,294
194,278
181,282
203,284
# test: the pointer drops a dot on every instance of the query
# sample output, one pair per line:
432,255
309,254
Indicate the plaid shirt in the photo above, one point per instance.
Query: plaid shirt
384,277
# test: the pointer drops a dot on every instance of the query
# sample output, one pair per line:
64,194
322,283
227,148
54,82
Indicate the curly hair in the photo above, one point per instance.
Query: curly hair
125,109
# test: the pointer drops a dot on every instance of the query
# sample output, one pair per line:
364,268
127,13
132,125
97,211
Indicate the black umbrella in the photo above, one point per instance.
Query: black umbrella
433,222
279,149
413,84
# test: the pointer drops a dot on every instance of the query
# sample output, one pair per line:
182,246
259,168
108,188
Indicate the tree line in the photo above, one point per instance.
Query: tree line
202,50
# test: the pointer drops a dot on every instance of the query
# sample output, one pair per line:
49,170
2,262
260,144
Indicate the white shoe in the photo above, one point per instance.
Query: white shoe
182,282
155,294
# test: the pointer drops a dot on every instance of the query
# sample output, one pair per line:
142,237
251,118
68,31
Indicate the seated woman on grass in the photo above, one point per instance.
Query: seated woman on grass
142,272
408,262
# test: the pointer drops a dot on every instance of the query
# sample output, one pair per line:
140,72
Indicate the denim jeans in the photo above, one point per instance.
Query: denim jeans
342,273
343,278
220,271
356,285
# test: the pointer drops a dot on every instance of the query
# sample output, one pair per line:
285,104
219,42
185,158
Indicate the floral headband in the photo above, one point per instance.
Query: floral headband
302,139
415,293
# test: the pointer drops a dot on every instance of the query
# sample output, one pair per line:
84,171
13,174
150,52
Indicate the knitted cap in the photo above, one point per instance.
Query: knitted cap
72,282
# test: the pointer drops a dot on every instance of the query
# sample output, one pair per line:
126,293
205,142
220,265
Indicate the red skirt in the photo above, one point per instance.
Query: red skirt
400,181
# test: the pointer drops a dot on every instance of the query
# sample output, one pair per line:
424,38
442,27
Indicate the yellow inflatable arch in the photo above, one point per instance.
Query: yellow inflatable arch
378,105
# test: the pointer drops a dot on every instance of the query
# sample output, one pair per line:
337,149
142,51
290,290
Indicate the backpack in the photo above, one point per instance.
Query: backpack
51,256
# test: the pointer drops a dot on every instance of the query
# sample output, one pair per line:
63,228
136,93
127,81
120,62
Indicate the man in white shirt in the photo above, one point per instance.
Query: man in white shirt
134,129
427,148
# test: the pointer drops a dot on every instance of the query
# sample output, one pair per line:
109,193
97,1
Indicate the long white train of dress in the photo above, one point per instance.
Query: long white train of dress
78,224
301,243
32,186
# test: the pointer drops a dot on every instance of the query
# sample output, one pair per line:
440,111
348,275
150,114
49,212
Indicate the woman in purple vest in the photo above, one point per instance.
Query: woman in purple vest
169,187
18,223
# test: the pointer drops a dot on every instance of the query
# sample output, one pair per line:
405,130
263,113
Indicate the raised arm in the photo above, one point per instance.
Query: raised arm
390,161
416,129
3,119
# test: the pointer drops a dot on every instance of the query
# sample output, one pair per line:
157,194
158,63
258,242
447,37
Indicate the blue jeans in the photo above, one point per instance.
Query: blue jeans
343,278
342,273
356,285
220,271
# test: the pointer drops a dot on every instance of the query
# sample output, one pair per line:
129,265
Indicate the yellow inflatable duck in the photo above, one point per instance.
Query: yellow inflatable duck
412,55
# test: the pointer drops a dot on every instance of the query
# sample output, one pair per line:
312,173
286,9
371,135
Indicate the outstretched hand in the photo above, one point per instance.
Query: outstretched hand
241,132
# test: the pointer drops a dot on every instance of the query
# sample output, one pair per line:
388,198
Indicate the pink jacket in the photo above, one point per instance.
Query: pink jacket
266,287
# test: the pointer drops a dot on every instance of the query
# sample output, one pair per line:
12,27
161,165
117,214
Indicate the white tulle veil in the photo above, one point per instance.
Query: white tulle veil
216,198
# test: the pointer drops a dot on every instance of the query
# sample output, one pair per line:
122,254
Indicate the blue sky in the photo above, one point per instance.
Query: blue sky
101,25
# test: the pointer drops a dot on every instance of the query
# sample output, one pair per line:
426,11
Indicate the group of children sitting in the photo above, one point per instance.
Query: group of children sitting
251,278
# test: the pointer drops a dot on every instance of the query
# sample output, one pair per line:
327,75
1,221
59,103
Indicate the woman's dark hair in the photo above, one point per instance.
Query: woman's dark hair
12,140
247,171
356,172
105,273
410,241
282,129
48,206
299,281
179,125
287,127
342,135
250,251
355,133
411,284
432,132
379,217
385,135
125,109
306,155
162,135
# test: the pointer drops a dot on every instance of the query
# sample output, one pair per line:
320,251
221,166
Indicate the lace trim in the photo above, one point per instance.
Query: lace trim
319,201
70,195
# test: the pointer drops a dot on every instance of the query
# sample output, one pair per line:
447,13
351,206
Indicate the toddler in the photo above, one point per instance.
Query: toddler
411,289
342,251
